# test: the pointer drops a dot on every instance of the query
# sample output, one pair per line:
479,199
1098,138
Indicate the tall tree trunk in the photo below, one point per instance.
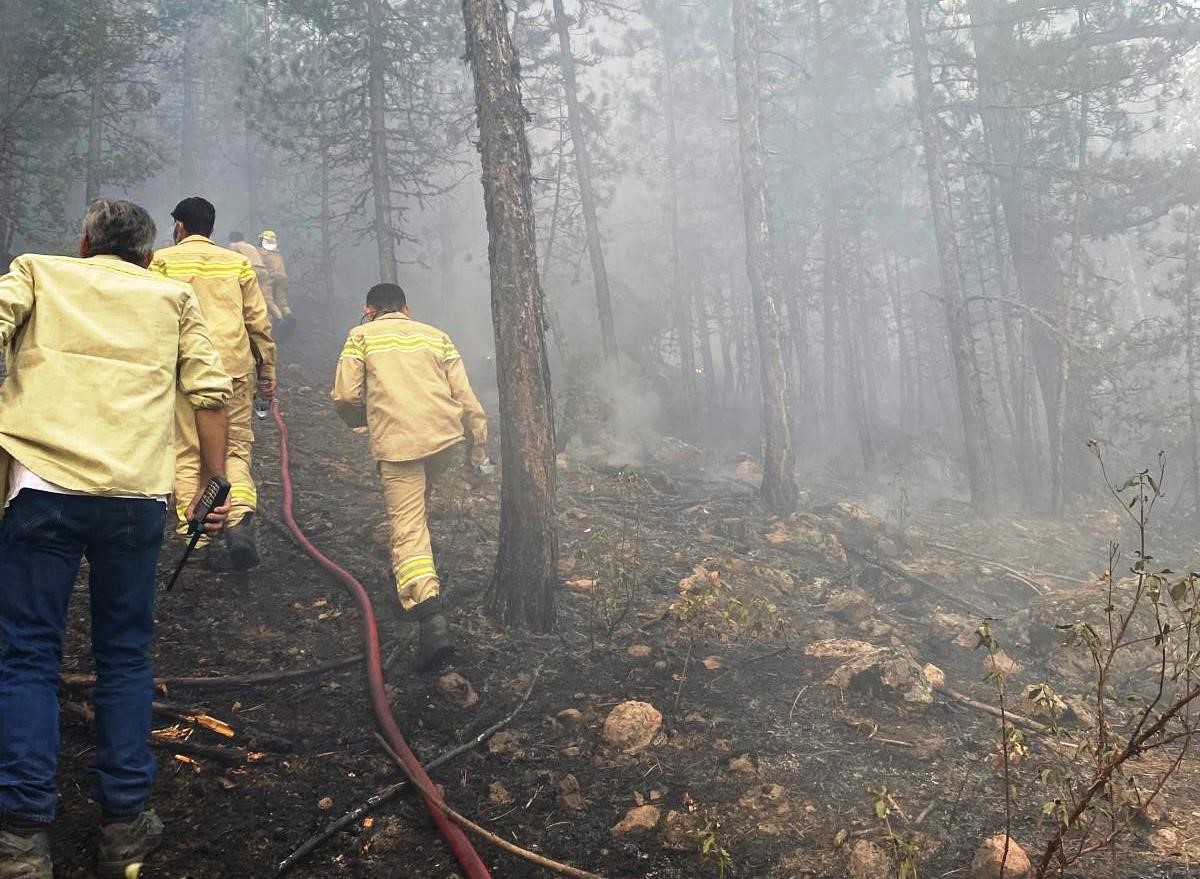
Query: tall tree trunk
725,318
854,351
552,226
972,409
1031,241
829,222
95,147
587,195
187,131
1190,330
904,392
1027,451
779,480
326,221
681,292
1071,292
706,350
381,187
1191,353
526,572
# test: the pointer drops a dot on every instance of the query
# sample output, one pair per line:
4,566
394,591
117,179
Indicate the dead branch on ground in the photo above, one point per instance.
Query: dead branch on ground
434,798
391,791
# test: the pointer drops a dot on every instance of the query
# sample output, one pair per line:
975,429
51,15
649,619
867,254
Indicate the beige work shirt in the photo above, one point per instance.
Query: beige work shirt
97,348
229,297
406,382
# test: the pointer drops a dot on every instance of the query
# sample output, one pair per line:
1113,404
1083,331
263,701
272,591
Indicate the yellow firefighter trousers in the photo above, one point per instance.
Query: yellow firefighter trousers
406,489
243,497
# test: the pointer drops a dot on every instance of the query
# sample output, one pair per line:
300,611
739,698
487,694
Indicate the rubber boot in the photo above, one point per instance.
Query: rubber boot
124,846
434,647
242,549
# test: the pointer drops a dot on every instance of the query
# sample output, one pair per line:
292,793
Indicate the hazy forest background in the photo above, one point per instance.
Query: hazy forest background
982,239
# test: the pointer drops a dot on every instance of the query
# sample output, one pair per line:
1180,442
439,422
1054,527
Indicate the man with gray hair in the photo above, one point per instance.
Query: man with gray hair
99,345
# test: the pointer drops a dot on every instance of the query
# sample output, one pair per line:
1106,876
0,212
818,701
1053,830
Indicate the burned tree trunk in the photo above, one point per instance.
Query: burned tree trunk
381,190
779,481
971,406
587,194
526,573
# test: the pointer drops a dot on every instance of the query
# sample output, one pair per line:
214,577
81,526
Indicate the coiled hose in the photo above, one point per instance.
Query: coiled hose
467,857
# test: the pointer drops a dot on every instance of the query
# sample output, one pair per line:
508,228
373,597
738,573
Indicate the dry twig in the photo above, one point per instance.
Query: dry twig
391,791
248,680
433,797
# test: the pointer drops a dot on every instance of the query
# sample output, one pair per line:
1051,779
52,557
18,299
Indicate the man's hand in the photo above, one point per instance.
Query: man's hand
266,388
215,523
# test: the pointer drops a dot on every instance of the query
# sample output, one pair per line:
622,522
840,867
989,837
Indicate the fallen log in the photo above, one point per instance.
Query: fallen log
917,580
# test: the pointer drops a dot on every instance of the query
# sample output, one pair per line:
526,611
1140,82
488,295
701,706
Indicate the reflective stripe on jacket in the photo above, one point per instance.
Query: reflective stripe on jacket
406,382
230,298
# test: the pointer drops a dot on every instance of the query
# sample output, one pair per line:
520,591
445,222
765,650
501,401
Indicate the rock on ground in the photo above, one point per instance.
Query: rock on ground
498,794
457,690
632,726
569,794
868,861
937,677
850,606
639,819
990,854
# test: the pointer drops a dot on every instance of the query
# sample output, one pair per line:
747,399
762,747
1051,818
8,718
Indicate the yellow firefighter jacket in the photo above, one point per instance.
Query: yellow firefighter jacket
252,253
230,298
97,350
277,269
406,382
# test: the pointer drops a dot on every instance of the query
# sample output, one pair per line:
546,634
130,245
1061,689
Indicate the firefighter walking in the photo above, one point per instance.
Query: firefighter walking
239,244
233,307
276,290
406,382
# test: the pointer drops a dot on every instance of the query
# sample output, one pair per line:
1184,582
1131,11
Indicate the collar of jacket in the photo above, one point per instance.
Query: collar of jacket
112,257
203,238
391,314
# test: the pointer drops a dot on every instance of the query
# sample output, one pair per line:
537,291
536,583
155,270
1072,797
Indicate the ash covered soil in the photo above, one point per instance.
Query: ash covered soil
760,761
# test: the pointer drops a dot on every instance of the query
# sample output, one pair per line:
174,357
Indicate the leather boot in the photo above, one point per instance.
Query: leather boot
243,551
434,647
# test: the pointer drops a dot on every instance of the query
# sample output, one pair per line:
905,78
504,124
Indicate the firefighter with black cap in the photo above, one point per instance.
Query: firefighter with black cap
236,313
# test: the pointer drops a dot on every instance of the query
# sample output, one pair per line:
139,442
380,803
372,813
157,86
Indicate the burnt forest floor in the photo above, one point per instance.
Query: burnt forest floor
757,756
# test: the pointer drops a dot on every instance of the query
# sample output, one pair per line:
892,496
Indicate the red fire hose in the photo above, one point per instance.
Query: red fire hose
467,857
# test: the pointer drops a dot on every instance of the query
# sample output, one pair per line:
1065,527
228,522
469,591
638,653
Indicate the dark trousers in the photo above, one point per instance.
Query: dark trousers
43,537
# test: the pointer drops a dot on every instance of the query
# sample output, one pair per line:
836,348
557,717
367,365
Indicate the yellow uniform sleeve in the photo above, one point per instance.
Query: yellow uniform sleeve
350,384
258,324
201,378
16,300
475,424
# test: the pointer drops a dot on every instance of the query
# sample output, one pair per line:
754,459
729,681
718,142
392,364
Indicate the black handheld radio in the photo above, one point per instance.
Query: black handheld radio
214,496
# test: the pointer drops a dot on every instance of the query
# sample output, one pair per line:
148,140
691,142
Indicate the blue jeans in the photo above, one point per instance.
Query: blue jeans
43,536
